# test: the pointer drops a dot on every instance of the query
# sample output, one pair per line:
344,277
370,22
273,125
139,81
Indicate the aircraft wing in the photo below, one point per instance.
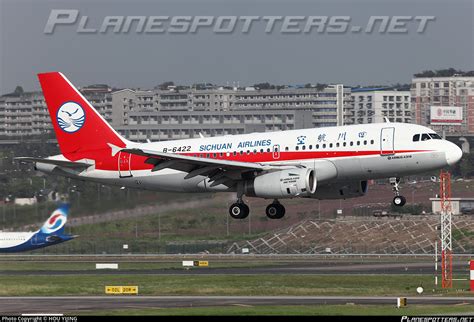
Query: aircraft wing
218,171
60,163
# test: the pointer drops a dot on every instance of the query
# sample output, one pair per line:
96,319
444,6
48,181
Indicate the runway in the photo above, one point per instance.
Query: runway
316,267
77,304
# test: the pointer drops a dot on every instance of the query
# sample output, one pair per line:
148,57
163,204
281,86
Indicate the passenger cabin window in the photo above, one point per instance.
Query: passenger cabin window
416,138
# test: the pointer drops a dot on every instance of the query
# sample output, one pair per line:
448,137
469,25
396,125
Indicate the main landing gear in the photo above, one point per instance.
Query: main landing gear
398,200
275,210
240,210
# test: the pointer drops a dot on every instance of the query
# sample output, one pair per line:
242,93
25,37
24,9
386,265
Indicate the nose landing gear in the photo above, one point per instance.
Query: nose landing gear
398,200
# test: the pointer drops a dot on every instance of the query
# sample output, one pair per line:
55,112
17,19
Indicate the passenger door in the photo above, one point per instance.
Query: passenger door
276,151
387,138
124,160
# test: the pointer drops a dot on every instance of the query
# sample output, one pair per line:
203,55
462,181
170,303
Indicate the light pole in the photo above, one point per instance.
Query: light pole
159,226
227,224
250,225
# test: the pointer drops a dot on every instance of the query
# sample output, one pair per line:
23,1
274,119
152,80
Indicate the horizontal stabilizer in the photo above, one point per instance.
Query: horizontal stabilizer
59,163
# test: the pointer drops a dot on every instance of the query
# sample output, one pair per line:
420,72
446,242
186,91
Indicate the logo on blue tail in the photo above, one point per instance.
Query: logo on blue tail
56,221
71,117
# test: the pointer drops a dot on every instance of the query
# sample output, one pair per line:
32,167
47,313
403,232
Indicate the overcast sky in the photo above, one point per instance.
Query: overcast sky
145,60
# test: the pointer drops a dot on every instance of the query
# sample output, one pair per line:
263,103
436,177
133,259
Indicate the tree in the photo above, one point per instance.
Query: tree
448,72
264,86
165,85
466,166
18,90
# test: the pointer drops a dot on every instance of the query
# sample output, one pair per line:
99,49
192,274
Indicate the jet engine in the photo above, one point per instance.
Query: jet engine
289,183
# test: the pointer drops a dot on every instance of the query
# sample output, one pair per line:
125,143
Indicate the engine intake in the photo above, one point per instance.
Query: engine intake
282,184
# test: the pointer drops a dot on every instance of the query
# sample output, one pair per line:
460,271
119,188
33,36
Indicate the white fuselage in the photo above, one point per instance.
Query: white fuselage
12,239
345,153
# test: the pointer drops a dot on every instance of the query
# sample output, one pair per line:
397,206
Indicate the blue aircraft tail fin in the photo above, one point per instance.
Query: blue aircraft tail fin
57,220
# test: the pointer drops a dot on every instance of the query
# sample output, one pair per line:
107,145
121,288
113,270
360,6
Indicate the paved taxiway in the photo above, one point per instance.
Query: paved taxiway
71,304
316,267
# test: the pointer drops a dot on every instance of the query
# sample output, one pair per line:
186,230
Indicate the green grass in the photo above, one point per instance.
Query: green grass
377,285
461,233
348,309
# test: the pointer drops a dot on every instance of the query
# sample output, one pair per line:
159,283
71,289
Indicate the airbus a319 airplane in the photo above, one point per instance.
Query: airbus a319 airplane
319,163
51,233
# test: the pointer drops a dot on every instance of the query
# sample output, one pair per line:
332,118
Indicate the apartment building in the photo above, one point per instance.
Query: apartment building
372,105
444,91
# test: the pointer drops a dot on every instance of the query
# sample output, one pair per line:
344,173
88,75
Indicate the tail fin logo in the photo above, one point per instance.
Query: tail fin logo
55,222
71,117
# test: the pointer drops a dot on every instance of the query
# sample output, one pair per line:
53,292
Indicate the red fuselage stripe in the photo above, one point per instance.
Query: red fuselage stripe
138,162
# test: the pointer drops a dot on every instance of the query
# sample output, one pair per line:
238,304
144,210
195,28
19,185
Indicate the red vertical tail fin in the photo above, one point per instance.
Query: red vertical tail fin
79,128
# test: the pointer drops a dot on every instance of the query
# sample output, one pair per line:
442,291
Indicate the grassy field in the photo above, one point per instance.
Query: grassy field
348,309
218,285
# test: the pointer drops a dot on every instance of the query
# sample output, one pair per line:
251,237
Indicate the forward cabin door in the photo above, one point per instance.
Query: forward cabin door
387,141
124,167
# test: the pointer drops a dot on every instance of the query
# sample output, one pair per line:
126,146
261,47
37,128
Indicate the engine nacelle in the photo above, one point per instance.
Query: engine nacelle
282,184
341,190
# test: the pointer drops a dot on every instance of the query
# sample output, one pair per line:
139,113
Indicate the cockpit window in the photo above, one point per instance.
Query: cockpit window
416,138
435,136
425,137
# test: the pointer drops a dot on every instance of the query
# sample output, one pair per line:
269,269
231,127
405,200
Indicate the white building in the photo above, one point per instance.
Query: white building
372,106
444,91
